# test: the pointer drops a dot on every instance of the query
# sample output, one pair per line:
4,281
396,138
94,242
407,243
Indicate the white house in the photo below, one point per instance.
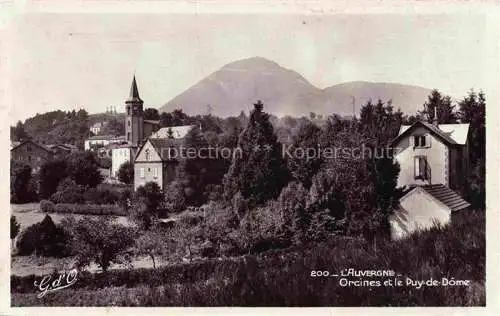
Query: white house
120,155
433,160
96,142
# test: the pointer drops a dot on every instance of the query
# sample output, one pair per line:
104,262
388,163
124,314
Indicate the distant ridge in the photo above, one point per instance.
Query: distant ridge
237,85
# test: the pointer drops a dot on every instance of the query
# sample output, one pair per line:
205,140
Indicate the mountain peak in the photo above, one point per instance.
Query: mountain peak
252,63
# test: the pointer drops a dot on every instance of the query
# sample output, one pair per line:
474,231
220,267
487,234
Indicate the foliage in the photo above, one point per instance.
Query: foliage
43,238
151,114
97,240
21,188
59,127
259,172
283,278
150,243
126,172
445,110
304,165
83,168
51,173
101,195
14,227
18,133
84,209
68,192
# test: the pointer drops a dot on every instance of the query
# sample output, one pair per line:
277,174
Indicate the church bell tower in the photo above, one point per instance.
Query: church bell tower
134,120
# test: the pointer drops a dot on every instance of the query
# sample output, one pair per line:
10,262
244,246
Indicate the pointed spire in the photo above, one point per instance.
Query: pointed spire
134,92
435,121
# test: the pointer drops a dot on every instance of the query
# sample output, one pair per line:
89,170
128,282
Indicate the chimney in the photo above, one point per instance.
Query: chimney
435,120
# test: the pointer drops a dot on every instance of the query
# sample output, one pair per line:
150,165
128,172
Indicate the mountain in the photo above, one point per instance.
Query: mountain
236,86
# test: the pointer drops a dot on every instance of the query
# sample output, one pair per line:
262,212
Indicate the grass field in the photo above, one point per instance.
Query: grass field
284,278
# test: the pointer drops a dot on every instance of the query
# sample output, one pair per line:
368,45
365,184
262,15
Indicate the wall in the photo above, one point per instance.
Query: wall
31,154
437,157
417,210
149,173
118,157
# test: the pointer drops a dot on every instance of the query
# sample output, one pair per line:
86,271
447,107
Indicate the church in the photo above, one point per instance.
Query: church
140,133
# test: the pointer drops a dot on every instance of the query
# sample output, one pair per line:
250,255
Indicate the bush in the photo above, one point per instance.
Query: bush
68,192
85,209
101,195
44,238
283,278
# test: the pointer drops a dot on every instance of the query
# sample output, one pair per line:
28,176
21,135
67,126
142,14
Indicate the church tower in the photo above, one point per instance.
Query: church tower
134,120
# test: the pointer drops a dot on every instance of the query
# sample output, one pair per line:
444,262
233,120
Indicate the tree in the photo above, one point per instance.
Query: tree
44,238
473,111
258,170
152,244
51,173
145,204
151,114
99,241
126,172
306,163
21,190
68,192
445,110
83,168
18,133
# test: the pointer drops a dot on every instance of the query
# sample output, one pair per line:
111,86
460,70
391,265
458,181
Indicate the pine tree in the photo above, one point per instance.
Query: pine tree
445,110
258,172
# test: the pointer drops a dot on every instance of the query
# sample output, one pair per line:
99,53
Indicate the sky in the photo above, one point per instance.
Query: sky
72,61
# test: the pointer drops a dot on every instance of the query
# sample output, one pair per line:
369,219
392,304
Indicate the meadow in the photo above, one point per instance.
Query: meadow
283,277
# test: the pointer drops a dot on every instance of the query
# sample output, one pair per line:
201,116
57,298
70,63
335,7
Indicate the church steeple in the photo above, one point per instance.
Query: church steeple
134,120
134,92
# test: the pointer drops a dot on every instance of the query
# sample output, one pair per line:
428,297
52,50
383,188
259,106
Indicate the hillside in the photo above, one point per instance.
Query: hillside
237,85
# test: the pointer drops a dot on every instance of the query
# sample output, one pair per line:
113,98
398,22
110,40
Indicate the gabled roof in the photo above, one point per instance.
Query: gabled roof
19,144
159,145
450,134
446,196
443,195
177,131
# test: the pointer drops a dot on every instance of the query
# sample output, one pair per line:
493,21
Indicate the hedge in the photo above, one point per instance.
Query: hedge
85,209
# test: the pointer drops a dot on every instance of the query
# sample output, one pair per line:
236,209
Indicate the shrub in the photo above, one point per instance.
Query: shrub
68,192
101,195
44,238
85,209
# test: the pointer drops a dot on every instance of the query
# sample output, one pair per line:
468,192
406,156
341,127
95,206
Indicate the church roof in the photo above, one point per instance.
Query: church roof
173,131
134,93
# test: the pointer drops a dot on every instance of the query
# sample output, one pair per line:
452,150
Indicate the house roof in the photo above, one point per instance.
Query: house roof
106,137
15,145
159,144
154,122
446,196
451,134
177,131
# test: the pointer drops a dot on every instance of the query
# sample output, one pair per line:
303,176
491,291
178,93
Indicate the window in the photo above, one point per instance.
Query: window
29,158
422,141
128,136
155,172
128,122
28,147
141,172
421,167
147,154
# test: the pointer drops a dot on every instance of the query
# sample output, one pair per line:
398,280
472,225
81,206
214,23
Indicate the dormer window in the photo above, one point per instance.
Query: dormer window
421,141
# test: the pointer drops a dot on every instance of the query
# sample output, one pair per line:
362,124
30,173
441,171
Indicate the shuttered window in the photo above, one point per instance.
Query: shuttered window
420,167
141,172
